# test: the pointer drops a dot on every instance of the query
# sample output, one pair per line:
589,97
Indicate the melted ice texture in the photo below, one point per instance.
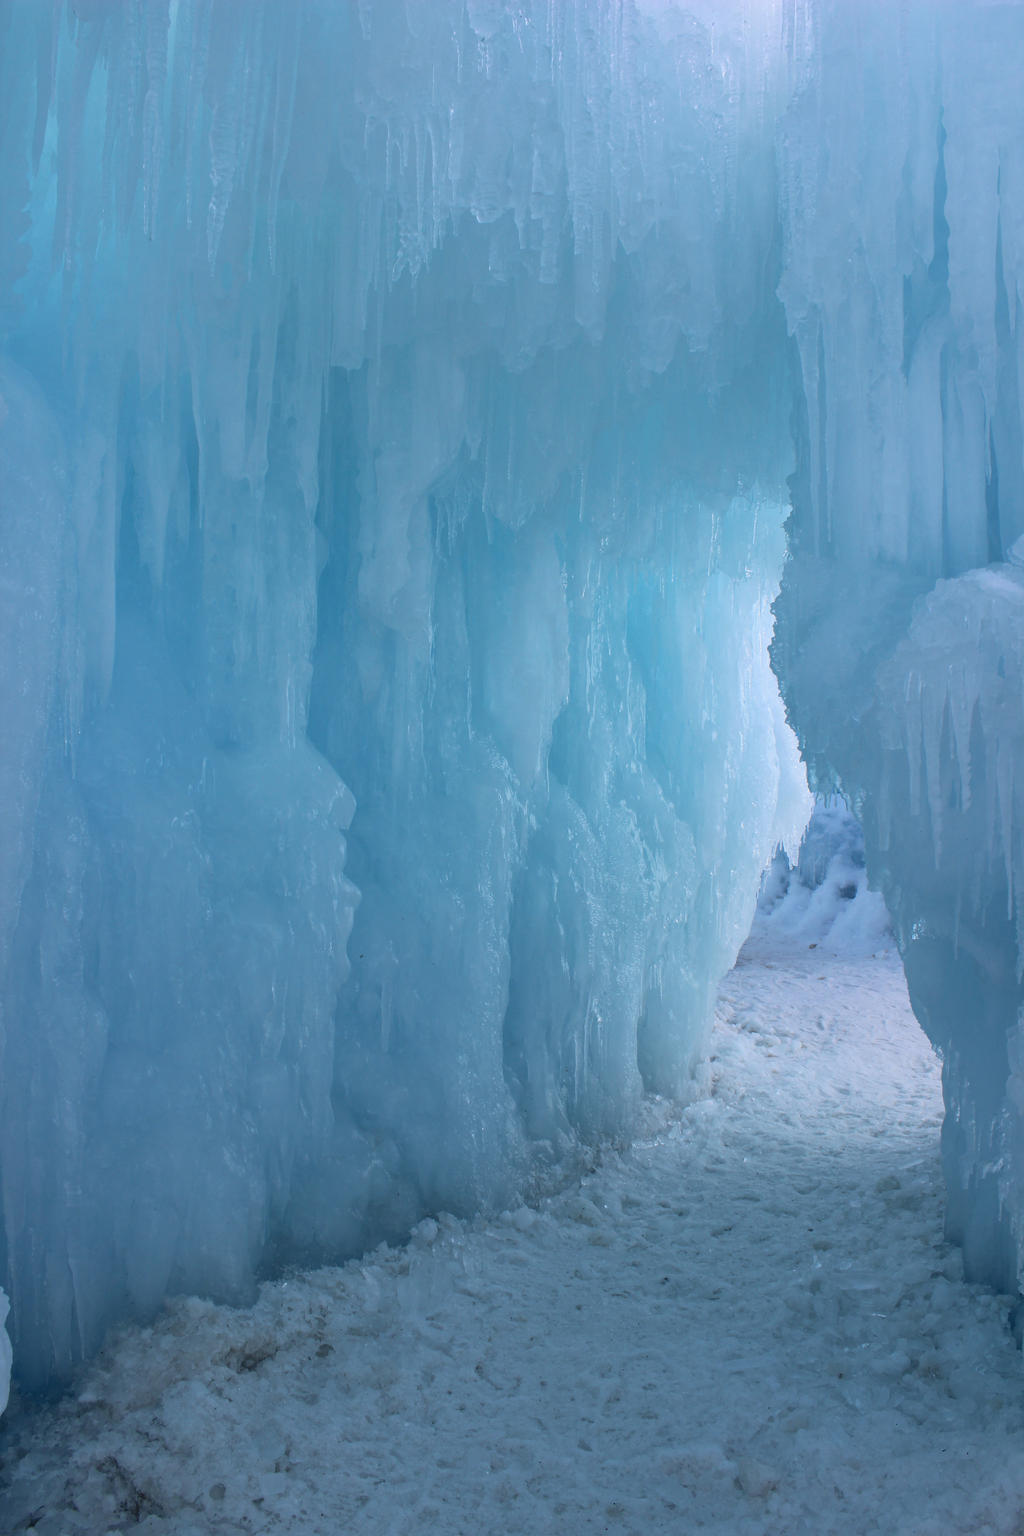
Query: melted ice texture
400,410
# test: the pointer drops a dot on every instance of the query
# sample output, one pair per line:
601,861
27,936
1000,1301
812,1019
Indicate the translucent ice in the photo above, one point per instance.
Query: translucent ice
824,898
402,411
394,478
900,633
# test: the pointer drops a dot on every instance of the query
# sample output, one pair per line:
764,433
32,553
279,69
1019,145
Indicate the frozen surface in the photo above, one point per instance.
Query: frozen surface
394,483
824,899
900,622
750,1321
404,409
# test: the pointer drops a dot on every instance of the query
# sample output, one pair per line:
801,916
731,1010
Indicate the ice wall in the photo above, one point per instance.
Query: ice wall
901,181
824,900
400,408
394,428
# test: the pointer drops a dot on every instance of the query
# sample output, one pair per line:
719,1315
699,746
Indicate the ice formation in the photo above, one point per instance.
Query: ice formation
401,406
901,624
824,899
394,480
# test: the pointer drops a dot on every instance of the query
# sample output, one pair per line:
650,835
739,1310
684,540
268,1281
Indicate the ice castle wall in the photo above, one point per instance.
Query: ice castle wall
400,405
393,442
901,624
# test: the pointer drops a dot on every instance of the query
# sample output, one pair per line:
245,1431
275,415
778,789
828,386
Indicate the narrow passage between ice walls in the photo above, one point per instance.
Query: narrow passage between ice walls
401,408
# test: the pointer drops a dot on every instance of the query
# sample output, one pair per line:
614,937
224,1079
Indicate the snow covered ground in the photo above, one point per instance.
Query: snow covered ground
747,1322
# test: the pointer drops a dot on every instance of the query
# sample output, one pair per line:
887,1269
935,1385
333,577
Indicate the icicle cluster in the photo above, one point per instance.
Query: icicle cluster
902,198
394,478
400,410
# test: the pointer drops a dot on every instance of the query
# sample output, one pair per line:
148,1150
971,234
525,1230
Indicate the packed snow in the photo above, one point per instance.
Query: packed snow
747,1321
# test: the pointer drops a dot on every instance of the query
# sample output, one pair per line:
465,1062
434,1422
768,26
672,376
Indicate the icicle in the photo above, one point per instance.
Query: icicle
157,29
286,82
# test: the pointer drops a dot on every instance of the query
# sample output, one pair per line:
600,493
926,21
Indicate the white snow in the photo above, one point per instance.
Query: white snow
746,1322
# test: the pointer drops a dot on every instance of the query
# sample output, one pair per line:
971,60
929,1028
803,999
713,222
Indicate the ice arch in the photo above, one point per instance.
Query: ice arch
401,407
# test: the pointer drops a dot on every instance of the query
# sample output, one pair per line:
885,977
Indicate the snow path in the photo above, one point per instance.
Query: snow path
747,1323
